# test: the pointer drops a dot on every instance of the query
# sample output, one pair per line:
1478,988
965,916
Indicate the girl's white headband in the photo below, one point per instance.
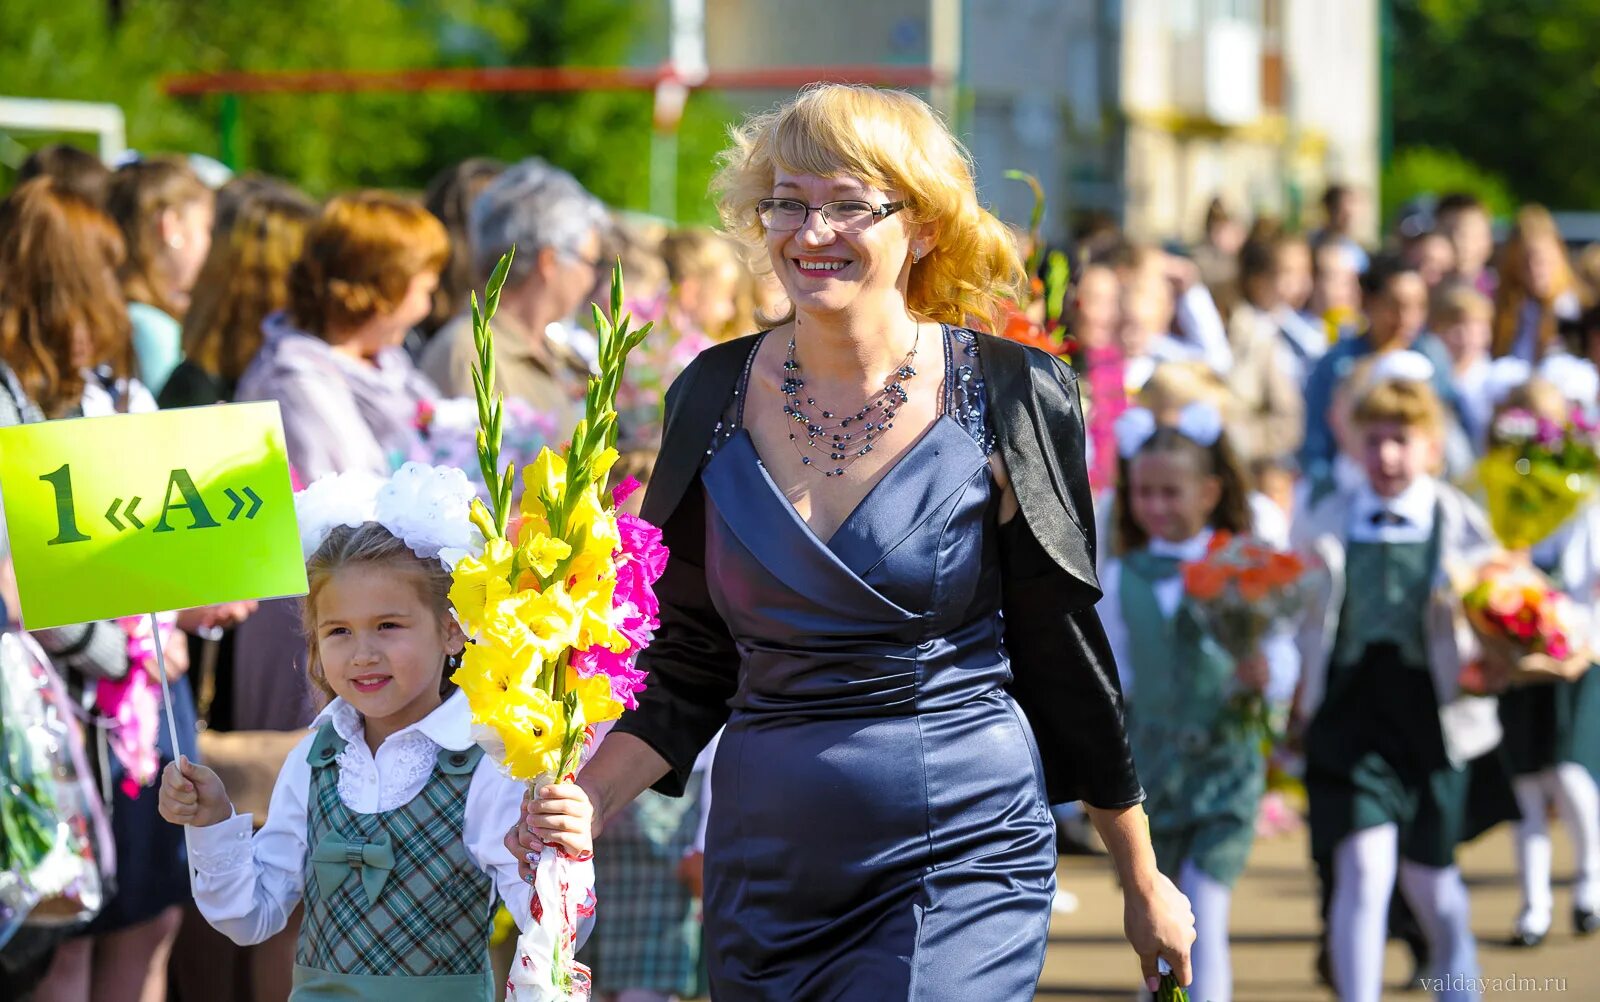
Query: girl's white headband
425,507
1199,422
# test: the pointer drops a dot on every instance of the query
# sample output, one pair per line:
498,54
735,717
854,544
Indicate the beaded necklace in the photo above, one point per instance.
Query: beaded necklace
846,439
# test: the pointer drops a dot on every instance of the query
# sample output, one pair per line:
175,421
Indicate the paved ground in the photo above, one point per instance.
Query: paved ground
1274,928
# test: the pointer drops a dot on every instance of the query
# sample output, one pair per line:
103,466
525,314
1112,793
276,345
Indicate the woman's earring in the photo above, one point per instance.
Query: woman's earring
916,256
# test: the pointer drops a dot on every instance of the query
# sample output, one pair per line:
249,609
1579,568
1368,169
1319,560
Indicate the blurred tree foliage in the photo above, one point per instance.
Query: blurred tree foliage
79,49
1423,170
1512,86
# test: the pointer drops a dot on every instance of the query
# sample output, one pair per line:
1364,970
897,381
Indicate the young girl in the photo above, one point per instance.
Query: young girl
1177,486
1552,732
165,212
1391,735
387,821
1460,316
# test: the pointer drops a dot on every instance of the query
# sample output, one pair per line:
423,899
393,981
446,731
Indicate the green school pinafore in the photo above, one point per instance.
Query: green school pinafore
394,907
1203,783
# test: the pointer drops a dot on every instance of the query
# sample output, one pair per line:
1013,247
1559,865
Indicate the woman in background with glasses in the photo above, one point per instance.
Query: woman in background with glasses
852,499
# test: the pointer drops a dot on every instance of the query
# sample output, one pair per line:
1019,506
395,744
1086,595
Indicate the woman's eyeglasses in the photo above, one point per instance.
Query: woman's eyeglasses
781,215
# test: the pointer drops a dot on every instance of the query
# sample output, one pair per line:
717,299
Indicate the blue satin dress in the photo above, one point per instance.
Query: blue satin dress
881,829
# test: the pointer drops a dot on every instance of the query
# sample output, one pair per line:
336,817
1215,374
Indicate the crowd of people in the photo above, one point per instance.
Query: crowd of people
1307,389
1336,400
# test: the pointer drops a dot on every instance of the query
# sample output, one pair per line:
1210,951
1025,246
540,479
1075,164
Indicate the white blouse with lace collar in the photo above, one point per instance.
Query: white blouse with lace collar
247,885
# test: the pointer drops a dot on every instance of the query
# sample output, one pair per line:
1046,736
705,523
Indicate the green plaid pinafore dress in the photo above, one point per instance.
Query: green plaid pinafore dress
394,907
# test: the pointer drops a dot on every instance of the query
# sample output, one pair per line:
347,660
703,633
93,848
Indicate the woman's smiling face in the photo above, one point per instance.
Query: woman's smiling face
825,271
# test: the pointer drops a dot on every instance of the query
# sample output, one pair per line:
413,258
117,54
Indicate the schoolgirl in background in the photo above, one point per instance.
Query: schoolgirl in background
1179,485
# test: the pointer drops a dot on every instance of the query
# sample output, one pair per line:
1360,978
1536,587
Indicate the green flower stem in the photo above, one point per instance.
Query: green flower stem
1035,218
491,405
1170,990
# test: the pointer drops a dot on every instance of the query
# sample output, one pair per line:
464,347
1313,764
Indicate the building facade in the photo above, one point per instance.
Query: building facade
1139,109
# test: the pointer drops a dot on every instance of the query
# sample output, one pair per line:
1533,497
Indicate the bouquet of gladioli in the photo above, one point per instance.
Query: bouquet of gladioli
1529,629
1241,589
447,435
1536,475
558,605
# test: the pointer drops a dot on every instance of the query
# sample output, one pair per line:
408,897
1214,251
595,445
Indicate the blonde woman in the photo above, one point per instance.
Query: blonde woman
852,499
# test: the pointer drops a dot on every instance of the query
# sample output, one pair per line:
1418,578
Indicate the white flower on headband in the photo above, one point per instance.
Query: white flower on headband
334,500
425,507
1402,366
1199,422
1576,378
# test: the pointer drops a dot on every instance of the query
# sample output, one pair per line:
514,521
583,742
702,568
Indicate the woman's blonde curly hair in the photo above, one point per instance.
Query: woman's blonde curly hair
891,140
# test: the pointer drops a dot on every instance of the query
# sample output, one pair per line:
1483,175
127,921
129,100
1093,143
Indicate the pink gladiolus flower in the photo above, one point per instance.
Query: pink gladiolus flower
133,704
641,541
635,609
626,680
625,490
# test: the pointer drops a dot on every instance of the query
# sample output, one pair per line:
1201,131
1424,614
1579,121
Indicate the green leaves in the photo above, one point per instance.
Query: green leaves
1035,218
598,430
491,405
1505,86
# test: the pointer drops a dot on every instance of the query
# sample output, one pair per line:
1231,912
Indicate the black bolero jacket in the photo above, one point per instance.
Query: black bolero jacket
1063,675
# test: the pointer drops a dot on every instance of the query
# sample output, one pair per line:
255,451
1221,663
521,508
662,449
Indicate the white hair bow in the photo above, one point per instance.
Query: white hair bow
1402,366
1199,422
1505,375
1576,378
425,507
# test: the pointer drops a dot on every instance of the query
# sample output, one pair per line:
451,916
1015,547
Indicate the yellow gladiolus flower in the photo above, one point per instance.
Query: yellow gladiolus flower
592,598
478,514
549,618
480,582
491,668
543,553
594,533
594,697
532,727
546,476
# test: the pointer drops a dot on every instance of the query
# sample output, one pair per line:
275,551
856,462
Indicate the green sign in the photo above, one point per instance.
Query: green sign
118,516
